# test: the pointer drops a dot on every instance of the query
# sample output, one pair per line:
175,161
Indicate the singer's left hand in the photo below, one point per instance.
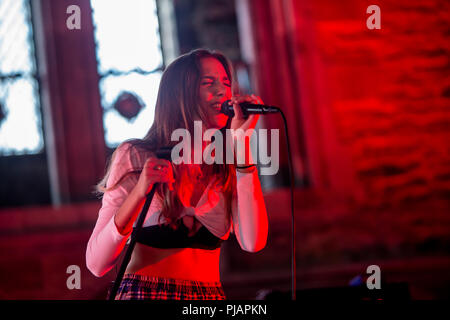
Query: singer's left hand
238,121
247,125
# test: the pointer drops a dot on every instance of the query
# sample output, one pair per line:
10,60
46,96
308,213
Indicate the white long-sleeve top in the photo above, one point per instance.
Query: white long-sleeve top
248,212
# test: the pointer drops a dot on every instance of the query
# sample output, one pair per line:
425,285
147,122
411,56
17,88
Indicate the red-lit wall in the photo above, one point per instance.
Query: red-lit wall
373,105
368,113
389,92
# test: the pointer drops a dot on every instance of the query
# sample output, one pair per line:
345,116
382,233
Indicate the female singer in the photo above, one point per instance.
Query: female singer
196,205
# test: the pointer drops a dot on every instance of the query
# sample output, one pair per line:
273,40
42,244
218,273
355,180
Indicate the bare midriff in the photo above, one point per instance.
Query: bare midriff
178,263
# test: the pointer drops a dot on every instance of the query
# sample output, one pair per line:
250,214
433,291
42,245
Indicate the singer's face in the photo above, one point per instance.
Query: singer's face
215,88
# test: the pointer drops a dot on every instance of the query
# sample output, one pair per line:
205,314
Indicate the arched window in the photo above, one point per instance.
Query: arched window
20,111
130,60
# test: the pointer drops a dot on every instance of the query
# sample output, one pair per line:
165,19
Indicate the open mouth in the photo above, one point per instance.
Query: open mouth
217,107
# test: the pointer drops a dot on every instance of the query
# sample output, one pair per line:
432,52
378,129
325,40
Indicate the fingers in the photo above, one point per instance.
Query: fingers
239,120
246,98
153,162
159,170
257,99
239,114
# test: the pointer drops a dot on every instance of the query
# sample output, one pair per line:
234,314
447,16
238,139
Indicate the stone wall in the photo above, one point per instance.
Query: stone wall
389,93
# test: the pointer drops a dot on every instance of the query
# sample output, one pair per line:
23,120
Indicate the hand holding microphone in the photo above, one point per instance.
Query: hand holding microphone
238,108
154,171
241,119
249,105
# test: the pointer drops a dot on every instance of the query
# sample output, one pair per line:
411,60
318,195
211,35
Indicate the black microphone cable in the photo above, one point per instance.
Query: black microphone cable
292,186
262,109
292,183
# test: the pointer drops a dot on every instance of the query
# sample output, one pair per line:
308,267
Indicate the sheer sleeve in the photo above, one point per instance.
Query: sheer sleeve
249,216
106,243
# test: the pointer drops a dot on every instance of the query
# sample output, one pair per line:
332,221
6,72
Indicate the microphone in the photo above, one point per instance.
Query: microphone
164,152
248,108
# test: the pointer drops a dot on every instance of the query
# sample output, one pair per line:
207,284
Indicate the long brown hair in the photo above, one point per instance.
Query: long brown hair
176,107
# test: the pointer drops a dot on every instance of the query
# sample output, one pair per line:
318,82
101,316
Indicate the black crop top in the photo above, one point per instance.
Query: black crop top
164,237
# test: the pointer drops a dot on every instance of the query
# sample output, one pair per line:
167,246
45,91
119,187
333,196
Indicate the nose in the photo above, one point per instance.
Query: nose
220,90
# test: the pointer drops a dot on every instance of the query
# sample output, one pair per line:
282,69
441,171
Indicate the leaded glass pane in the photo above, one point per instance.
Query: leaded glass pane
144,86
21,129
129,59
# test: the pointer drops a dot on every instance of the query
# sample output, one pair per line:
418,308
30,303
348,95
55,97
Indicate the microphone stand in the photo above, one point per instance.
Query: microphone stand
134,234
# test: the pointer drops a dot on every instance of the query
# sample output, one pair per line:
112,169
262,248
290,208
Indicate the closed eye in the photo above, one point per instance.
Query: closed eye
208,81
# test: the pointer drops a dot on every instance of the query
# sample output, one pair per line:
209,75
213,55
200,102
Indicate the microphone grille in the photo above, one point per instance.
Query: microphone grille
227,109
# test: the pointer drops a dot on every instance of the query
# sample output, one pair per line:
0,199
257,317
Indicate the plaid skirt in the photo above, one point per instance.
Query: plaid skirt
139,287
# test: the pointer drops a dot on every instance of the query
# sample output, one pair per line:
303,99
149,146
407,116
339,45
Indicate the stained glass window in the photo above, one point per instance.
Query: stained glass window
20,115
129,59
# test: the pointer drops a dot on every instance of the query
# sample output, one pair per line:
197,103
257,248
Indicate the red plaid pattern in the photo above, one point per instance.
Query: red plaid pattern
139,287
